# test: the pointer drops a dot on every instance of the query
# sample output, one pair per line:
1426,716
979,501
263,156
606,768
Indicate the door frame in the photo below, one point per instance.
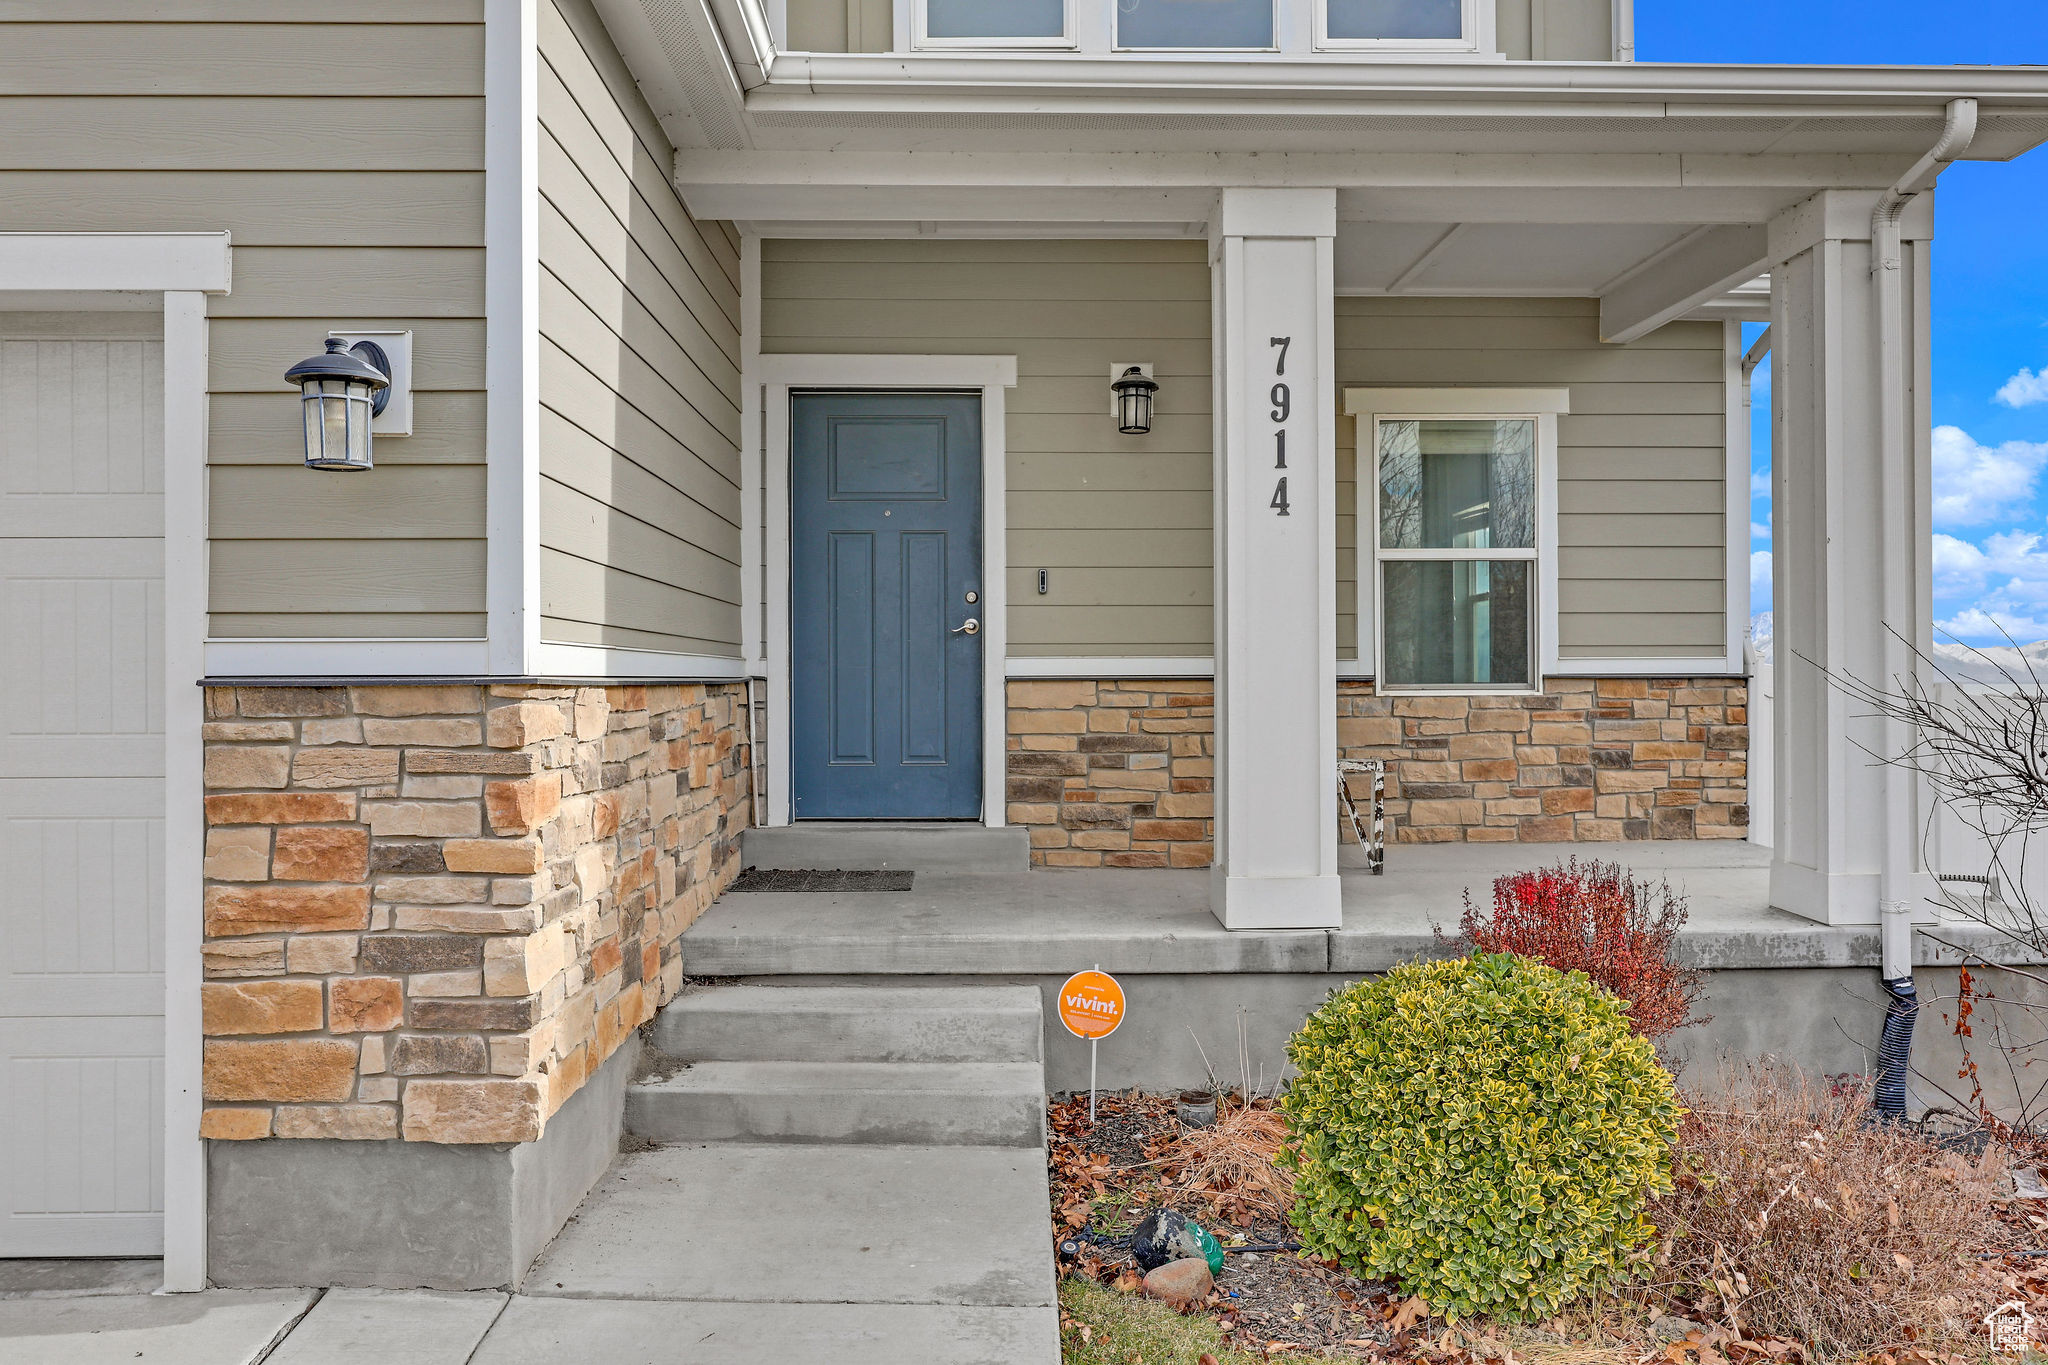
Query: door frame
174,271
991,376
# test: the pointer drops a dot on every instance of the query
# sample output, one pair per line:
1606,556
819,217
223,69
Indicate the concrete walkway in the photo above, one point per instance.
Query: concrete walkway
351,1326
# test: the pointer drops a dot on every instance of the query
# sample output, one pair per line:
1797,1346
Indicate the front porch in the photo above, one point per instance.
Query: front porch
1779,983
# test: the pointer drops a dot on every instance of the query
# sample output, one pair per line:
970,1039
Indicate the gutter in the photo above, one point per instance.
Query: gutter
1895,486
1661,89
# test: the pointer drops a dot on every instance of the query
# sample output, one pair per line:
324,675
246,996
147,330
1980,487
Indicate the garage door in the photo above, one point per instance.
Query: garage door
81,785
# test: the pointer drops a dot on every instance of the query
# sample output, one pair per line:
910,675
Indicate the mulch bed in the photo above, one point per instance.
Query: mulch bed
1108,1176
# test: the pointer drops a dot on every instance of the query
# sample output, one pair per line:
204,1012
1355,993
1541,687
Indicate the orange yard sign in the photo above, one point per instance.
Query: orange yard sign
1091,1005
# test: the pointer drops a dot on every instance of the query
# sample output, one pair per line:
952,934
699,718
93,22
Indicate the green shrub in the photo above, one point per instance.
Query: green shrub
1485,1132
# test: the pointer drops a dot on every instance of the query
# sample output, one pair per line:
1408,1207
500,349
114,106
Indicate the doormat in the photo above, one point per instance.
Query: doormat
811,879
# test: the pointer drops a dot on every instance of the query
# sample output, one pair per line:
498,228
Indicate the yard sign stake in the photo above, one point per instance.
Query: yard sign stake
1092,1007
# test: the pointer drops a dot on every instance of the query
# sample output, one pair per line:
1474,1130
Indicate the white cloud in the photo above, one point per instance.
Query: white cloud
1759,530
1760,576
1759,484
2002,583
1974,625
1975,484
2025,389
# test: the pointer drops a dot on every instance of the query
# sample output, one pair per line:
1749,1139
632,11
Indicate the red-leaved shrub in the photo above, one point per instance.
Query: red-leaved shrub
1595,918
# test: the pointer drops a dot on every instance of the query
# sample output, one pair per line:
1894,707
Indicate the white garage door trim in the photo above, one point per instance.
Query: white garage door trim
57,270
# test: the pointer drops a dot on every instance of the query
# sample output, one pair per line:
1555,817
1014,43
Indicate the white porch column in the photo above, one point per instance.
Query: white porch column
1852,543
1276,547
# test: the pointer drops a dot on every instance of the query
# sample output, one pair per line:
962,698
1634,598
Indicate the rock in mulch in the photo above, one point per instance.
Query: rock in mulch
1167,1235
1181,1285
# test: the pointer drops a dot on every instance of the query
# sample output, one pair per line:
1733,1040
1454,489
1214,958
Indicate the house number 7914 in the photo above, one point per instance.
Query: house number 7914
1283,408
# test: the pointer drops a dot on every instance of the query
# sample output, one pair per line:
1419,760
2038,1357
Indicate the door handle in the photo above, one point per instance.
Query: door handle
970,627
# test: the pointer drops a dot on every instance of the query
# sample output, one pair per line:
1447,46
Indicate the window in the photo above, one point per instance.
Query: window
1194,24
1457,522
994,23
1457,542
1350,20
1436,29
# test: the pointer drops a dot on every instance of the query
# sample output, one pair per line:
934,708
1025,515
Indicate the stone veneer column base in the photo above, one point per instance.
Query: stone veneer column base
408,1215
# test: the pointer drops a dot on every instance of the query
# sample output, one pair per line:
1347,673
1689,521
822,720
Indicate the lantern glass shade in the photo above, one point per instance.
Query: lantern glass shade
339,395
337,414
1134,402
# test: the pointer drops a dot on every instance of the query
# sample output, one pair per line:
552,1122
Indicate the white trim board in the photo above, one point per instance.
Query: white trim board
1350,670
1107,666
183,268
993,376
1736,530
1697,666
105,263
556,659
512,333
344,658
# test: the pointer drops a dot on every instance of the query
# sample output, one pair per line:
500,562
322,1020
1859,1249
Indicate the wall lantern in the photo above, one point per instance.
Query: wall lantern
1134,389
340,392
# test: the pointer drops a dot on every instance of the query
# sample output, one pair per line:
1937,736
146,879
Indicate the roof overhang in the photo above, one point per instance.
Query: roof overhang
1453,177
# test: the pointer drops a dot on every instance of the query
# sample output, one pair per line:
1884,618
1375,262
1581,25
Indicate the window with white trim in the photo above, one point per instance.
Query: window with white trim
1434,28
1455,516
1423,25
1196,24
995,23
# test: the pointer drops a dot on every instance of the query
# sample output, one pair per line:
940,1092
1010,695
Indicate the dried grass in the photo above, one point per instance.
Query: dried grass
1232,1162
1791,1218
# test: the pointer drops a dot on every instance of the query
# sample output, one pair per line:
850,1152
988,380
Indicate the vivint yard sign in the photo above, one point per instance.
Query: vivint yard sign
1092,1007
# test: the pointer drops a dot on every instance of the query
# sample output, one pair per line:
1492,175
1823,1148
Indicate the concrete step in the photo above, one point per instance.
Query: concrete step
863,845
987,1104
853,1024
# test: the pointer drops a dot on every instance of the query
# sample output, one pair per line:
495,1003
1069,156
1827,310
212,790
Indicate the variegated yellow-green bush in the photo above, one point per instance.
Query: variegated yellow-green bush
1484,1132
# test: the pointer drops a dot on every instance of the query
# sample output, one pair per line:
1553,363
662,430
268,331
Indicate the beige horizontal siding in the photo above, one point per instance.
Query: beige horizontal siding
639,317
1642,464
222,115
1120,523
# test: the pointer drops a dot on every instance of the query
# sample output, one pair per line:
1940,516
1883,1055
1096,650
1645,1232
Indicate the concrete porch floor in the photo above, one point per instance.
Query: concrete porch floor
1200,996
1061,920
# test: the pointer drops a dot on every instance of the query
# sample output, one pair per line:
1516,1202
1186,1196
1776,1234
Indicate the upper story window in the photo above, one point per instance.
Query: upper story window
1151,24
996,23
1431,27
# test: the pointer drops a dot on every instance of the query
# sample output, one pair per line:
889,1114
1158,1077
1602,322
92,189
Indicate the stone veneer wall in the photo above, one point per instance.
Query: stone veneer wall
1119,773
433,911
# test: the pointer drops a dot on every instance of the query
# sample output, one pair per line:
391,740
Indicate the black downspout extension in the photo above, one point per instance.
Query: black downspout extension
1895,1049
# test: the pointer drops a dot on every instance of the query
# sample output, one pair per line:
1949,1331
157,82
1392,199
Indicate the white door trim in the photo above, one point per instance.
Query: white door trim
993,376
182,267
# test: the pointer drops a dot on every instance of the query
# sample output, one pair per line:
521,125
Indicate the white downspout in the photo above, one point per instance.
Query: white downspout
1895,917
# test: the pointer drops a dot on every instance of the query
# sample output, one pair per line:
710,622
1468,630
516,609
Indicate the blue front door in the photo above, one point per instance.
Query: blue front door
885,570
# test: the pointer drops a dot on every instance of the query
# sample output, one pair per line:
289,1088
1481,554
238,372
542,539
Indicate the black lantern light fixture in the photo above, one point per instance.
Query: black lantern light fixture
1134,390
340,392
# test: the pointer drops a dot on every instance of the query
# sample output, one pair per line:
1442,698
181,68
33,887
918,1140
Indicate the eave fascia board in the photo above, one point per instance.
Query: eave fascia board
1654,89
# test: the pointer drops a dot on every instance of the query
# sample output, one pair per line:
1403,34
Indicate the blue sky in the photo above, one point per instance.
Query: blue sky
1990,290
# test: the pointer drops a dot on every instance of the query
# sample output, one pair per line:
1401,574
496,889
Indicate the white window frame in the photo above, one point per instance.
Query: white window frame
1477,26
921,40
1370,407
